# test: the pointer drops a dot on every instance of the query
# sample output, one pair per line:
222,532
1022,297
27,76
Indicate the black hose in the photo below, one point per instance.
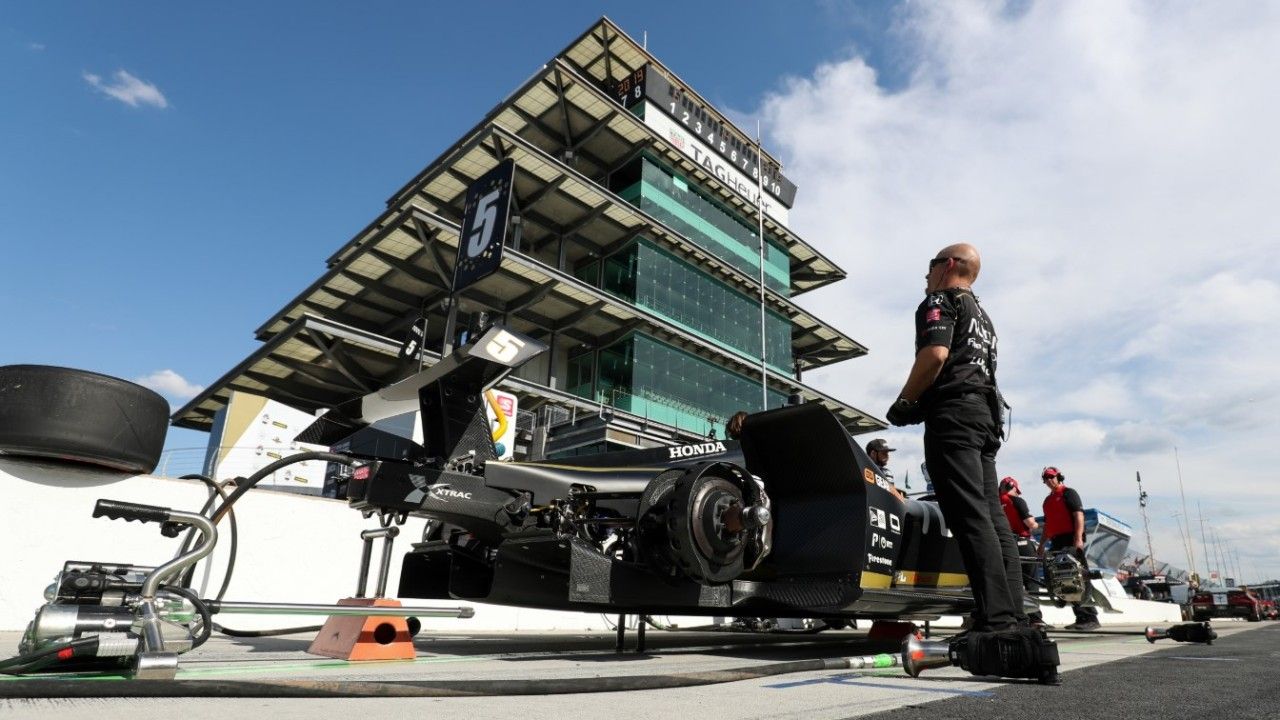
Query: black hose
232,632
419,688
33,661
243,485
206,617
231,556
253,479
217,490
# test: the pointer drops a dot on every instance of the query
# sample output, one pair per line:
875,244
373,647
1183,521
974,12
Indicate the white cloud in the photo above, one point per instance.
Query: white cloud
1137,438
170,384
35,46
128,89
1115,163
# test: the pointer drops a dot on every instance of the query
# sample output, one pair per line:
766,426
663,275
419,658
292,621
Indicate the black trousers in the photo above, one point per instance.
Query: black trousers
1027,551
1067,541
960,445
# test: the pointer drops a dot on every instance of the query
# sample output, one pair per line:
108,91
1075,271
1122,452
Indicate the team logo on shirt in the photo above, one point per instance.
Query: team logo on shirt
934,315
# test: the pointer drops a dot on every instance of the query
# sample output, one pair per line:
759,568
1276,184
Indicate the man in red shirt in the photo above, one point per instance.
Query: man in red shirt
1064,530
1022,523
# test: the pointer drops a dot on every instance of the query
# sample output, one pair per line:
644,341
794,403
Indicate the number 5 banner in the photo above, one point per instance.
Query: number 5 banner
485,220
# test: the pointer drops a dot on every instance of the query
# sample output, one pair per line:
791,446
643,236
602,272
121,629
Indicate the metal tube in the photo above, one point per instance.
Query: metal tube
152,638
385,570
365,554
1191,551
258,608
209,535
764,346
1142,504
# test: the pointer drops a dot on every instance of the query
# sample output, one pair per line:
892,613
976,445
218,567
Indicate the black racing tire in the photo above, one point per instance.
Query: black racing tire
81,416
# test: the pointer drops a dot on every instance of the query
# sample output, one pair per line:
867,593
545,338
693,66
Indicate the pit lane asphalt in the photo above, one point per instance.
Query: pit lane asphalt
1235,678
1174,686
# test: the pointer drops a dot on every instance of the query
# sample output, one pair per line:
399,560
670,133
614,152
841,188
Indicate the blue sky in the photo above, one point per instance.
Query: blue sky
171,175
158,234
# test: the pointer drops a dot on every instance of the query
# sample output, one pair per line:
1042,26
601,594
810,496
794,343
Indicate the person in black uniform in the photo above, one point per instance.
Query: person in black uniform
952,389
878,450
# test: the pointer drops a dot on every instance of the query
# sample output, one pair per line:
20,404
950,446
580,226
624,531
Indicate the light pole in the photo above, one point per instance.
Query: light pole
1142,503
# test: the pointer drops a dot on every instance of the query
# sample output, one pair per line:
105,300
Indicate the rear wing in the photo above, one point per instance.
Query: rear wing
449,395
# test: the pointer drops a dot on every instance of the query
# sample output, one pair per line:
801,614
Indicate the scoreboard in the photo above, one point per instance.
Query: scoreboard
645,83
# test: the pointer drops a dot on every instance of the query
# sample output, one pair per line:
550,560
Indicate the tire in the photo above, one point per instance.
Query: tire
81,416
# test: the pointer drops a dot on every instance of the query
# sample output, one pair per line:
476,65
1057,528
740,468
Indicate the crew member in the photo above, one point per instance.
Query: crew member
1022,524
952,389
878,450
1064,530
733,428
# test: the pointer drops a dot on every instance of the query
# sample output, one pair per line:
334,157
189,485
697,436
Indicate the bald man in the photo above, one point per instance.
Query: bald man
952,390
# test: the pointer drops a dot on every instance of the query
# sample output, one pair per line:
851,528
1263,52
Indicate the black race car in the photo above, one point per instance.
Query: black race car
793,521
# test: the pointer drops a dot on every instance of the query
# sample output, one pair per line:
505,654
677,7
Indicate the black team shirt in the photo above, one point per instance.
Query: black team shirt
1020,505
954,320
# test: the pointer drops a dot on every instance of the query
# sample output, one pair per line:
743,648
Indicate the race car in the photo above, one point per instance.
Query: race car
792,521
1229,603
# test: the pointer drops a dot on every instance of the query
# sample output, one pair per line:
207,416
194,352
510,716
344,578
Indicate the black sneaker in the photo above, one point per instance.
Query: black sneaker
1085,625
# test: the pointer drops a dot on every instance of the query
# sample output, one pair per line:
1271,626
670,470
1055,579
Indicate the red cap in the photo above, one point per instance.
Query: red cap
1051,471
1008,484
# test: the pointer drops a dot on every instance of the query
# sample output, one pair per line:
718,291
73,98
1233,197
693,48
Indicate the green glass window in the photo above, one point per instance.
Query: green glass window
581,375
614,370
588,272
668,286
690,211
654,380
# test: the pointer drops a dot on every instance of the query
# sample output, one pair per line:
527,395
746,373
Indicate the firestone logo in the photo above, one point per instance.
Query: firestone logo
684,451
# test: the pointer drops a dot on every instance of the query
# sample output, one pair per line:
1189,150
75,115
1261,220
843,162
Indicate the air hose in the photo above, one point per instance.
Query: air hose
254,479
233,632
428,688
39,659
243,486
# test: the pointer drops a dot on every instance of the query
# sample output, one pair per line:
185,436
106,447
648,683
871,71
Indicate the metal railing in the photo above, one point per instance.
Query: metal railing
649,405
176,462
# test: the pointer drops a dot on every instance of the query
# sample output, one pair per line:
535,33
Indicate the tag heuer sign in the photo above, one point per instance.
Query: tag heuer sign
485,220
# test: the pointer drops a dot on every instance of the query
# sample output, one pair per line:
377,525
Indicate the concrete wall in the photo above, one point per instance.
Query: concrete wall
293,548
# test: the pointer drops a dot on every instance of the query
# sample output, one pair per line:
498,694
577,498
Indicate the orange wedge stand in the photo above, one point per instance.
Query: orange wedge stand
364,637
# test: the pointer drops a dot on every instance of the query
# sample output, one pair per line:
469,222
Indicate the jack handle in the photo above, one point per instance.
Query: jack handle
153,661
